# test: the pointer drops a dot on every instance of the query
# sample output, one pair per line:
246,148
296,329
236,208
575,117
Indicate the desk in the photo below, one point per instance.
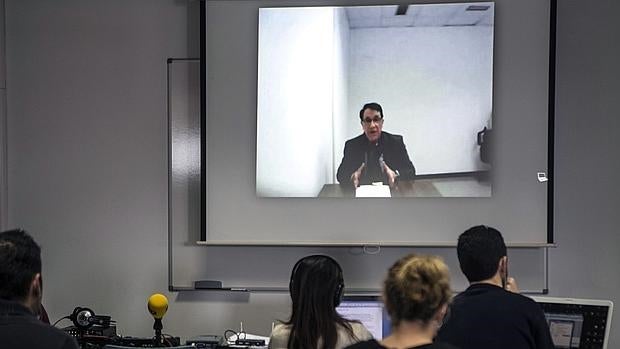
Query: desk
458,186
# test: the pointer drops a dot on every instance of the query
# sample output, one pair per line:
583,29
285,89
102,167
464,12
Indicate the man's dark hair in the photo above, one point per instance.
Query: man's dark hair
20,261
479,250
373,106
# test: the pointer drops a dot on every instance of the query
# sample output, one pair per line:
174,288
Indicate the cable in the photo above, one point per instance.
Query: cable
62,318
234,333
168,340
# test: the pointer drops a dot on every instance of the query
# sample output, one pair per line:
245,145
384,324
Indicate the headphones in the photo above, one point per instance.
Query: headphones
339,288
84,318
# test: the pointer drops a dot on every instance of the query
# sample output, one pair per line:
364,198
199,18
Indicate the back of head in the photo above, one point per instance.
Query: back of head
316,287
20,261
416,288
479,250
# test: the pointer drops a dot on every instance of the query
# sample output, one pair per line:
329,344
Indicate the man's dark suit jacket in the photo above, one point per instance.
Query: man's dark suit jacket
357,150
20,329
487,316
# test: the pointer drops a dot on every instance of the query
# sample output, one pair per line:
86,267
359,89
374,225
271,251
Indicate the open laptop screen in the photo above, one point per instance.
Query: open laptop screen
370,311
577,323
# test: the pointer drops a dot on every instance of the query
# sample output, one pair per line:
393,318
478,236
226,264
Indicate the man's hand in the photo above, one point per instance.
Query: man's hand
391,175
511,285
355,177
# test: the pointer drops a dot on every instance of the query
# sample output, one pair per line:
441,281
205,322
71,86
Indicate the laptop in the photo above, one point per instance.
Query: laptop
370,311
577,323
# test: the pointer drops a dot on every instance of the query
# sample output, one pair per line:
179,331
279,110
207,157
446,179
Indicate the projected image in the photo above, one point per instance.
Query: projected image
375,101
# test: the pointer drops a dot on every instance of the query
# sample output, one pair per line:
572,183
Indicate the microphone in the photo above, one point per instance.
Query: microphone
157,306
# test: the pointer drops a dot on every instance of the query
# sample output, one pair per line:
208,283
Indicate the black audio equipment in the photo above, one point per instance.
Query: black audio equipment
206,341
95,330
250,342
143,342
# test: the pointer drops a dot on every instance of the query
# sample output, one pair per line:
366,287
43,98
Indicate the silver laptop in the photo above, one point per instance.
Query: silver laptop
577,323
368,310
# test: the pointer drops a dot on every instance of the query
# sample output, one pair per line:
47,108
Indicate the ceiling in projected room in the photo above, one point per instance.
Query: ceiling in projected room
436,15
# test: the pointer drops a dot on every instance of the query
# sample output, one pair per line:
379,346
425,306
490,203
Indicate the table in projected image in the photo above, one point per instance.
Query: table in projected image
465,186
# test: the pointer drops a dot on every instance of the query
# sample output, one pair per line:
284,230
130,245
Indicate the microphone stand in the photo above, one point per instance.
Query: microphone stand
158,326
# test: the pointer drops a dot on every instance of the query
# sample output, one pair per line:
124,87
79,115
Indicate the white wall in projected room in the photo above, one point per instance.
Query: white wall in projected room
301,88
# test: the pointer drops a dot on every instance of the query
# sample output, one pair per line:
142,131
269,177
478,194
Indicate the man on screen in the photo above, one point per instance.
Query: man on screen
375,155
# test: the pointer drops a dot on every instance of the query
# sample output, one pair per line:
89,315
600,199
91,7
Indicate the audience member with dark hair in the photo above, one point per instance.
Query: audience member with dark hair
375,155
490,313
416,294
316,288
21,289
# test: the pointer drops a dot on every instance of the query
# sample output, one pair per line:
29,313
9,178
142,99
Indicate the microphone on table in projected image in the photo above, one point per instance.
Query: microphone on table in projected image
158,305
382,166
374,170
382,163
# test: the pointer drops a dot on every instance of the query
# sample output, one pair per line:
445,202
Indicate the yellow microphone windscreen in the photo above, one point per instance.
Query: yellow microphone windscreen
158,305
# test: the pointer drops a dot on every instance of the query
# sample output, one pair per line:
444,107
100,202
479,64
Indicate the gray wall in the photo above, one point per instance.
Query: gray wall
587,160
87,158
3,131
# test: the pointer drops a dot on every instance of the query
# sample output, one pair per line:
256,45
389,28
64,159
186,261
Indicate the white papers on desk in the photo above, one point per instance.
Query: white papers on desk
375,190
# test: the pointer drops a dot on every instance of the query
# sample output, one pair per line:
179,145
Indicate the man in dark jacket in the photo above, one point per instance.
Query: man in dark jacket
375,155
20,297
490,313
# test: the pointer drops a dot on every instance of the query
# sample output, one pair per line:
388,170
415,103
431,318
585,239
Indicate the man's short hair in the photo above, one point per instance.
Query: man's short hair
374,106
479,250
20,261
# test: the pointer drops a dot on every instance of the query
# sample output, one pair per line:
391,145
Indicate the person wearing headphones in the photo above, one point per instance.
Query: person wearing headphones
21,289
416,294
316,288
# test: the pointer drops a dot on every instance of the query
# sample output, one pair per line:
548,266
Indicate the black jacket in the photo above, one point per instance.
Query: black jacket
20,329
358,150
486,317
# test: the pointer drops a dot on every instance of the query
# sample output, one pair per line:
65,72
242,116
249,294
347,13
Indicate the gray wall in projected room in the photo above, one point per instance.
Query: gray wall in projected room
87,173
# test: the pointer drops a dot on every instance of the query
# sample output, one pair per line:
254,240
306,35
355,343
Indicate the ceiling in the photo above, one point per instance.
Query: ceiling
433,15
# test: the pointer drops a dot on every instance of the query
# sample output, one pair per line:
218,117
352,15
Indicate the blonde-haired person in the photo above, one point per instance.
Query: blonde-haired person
416,293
